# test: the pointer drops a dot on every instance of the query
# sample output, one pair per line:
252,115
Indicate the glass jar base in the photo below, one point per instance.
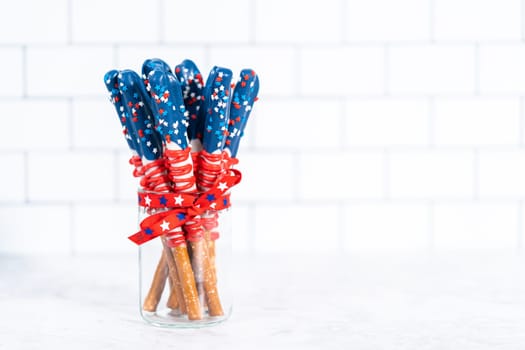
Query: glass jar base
168,318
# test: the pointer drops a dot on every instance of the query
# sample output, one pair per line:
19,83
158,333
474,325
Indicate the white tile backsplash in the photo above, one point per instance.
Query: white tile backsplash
501,173
297,228
206,21
35,229
387,21
71,176
341,175
434,174
382,126
432,69
33,124
473,20
34,22
286,21
386,227
341,70
387,122
12,186
501,69
297,117
67,70
12,59
115,21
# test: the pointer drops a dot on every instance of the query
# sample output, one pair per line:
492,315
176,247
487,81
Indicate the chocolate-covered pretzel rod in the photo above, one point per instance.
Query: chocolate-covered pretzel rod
125,117
148,145
171,123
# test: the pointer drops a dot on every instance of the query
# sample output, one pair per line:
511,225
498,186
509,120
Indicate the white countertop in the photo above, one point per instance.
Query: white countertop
292,302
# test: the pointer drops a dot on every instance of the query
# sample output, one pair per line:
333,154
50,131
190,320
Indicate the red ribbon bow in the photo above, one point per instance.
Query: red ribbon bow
186,207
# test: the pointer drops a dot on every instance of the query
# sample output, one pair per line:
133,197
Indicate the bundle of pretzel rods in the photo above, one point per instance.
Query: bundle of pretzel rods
184,136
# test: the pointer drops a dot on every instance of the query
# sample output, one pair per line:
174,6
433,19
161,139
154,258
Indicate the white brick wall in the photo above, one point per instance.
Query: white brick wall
384,126
478,20
387,21
431,69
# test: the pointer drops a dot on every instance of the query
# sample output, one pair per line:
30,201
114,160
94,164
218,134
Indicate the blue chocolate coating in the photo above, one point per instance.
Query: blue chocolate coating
134,96
168,106
192,86
216,108
244,95
112,85
154,63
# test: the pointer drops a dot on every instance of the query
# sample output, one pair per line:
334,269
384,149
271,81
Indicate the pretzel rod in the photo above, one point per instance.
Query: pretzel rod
243,98
157,285
135,114
176,293
172,302
171,124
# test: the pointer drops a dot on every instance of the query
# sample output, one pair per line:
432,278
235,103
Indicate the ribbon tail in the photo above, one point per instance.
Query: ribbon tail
141,237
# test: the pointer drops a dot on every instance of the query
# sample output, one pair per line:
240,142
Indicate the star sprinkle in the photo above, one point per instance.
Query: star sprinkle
217,105
179,200
169,118
165,225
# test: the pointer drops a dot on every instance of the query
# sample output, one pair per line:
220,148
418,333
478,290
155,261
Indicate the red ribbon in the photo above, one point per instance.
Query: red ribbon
186,207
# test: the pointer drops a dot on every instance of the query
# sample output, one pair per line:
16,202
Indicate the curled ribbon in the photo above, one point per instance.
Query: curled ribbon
186,206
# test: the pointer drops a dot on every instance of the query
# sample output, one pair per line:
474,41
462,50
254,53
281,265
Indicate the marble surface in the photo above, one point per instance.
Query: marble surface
282,302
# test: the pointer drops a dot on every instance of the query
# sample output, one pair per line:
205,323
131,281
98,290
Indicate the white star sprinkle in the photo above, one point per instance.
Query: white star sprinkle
148,201
179,200
222,186
165,225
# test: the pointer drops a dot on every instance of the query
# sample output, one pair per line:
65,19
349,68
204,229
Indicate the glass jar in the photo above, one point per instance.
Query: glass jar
184,274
